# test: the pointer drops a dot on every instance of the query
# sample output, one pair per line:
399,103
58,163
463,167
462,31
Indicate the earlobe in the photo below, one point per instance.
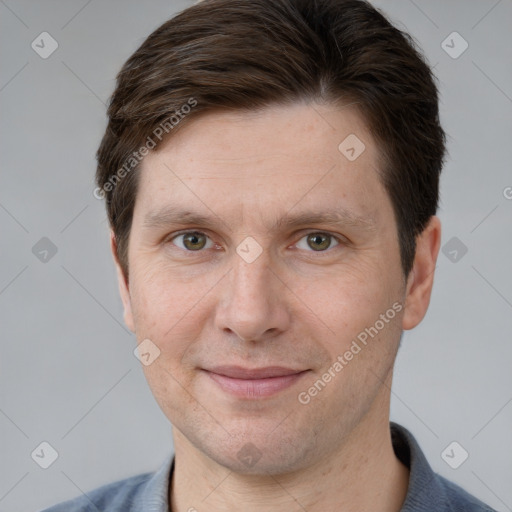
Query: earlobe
123,285
421,278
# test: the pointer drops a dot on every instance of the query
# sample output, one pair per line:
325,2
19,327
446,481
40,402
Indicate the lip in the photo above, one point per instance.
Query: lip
254,383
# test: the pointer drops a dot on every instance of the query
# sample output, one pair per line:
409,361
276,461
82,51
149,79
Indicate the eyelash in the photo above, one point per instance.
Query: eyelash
338,240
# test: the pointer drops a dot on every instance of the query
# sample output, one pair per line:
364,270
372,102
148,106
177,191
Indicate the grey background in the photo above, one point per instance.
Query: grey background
67,372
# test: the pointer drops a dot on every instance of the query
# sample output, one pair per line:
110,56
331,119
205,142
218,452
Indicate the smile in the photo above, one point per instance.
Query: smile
255,383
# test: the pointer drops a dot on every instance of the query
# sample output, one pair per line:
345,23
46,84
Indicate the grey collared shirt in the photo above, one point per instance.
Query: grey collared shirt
149,492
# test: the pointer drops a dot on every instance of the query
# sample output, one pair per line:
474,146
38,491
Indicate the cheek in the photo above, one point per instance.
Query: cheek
167,310
347,300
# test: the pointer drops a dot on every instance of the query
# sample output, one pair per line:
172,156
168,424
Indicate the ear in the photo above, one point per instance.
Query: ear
421,277
123,285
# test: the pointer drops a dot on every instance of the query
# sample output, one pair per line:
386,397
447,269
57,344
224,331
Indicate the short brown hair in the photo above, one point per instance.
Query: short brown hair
248,54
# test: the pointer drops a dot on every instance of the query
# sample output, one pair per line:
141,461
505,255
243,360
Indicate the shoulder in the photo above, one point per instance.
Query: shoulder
460,500
116,496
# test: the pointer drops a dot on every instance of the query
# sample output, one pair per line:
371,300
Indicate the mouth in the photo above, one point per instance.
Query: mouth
254,383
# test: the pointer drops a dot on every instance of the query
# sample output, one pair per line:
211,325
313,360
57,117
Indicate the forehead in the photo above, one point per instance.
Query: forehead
310,132
252,160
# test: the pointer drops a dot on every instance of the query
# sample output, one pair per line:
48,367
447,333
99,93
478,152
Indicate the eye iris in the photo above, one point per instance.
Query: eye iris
316,238
194,241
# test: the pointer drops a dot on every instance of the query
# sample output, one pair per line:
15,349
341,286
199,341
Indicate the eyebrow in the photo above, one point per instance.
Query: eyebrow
173,215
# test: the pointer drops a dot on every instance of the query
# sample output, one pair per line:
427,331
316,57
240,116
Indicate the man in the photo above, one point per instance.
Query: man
271,171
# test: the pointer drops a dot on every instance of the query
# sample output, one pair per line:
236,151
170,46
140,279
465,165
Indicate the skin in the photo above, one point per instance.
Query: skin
293,306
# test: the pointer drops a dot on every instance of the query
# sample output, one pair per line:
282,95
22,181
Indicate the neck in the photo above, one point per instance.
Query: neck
363,475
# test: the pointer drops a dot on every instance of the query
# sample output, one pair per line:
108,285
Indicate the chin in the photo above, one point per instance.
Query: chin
251,452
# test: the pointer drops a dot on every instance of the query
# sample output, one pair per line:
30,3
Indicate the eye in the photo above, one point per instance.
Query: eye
319,242
192,241
195,241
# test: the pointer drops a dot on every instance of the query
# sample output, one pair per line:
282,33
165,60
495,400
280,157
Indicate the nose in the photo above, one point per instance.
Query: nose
253,302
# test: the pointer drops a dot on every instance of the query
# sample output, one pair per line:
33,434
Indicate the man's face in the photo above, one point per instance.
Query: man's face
246,287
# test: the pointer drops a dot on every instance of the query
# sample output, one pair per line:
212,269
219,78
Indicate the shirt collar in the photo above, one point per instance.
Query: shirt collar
155,497
425,491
